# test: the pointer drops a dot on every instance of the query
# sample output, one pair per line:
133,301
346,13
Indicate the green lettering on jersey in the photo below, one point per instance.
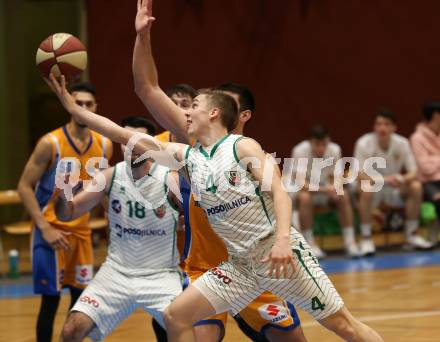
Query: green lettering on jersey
210,186
137,210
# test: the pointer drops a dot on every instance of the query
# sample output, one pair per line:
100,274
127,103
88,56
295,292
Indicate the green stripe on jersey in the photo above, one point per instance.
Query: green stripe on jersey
173,205
235,150
174,239
217,144
113,178
257,191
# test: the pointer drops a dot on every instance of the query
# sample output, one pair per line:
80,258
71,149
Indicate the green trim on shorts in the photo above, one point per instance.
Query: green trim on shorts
298,254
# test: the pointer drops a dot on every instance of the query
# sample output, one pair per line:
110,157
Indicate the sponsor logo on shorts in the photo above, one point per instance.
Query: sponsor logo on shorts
84,274
274,312
116,206
89,300
224,208
219,274
136,232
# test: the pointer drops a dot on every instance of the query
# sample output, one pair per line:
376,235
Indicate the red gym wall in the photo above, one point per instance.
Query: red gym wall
307,61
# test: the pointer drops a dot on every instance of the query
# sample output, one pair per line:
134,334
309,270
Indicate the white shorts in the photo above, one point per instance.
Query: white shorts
319,199
389,196
235,283
112,296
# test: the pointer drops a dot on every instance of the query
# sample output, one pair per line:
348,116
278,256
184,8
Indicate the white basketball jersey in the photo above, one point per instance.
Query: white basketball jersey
236,208
142,222
398,156
304,151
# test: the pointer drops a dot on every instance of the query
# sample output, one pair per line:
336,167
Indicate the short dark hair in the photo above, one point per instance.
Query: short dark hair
181,89
387,114
83,86
318,132
245,97
139,121
227,106
204,90
429,108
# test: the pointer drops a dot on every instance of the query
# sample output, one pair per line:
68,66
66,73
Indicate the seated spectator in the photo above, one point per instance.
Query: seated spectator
319,146
401,186
425,142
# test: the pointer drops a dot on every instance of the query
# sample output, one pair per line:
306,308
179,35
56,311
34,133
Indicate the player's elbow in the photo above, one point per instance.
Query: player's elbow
59,212
139,88
62,215
23,187
143,89
282,196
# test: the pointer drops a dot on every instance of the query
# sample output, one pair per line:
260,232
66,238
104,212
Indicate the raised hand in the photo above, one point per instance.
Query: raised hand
59,88
144,16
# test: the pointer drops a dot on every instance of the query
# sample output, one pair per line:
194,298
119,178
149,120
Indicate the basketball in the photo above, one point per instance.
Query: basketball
61,53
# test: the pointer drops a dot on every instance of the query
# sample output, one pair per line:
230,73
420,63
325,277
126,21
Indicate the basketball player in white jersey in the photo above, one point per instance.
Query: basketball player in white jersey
401,188
141,266
227,173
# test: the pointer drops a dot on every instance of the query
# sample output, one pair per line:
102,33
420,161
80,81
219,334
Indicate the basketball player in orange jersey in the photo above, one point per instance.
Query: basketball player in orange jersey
268,316
182,95
62,254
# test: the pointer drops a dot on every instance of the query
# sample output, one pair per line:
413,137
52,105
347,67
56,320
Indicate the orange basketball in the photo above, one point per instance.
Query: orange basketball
61,53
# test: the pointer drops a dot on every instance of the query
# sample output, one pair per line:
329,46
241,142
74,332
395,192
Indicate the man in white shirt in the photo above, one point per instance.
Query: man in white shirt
401,186
319,187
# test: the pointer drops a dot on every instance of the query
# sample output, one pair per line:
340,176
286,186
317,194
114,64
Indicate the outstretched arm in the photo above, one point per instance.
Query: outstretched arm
86,200
146,84
166,154
264,167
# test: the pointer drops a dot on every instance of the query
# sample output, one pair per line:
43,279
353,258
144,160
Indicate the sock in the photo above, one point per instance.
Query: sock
161,334
366,230
348,233
249,331
308,235
411,227
46,317
74,295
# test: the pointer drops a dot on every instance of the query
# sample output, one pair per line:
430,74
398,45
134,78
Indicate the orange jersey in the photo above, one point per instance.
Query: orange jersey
64,147
165,136
207,248
168,137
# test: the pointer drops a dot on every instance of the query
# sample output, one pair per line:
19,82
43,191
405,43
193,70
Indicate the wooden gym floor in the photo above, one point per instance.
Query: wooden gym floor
402,304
